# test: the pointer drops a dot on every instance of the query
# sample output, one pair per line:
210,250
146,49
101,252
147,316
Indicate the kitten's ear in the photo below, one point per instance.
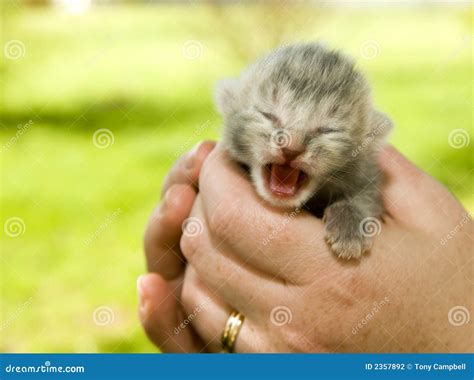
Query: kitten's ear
225,96
381,125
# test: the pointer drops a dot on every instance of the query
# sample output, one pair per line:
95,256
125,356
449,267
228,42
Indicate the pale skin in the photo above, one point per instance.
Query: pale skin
277,270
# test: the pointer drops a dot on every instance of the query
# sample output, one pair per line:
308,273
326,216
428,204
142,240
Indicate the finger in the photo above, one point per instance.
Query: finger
164,231
227,276
209,316
412,196
161,314
398,193
262,236
186,169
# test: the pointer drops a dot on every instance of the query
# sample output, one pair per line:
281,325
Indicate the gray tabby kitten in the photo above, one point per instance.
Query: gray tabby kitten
302,121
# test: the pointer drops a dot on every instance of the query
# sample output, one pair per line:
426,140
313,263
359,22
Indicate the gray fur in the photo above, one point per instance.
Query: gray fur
318,99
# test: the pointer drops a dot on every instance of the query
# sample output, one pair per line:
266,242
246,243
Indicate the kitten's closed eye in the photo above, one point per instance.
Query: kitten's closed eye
326,130
269,116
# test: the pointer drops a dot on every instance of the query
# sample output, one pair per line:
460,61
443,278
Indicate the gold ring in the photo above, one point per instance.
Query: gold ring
231,330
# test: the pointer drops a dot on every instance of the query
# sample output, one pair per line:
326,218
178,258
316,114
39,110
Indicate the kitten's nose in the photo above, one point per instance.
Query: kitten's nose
291,154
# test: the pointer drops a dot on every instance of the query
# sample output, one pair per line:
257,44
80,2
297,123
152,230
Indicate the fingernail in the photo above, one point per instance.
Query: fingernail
191,158
141,290
166,199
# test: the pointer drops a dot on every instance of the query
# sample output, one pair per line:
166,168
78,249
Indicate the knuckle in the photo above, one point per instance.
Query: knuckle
190,246
298,342
187,296
221,222
147,322
204,148
155,223
173,197
207,171
355,285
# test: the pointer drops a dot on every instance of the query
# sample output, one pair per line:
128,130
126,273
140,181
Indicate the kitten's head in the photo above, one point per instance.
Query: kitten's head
295,118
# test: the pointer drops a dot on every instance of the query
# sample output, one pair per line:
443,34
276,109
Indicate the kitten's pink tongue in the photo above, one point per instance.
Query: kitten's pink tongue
284,180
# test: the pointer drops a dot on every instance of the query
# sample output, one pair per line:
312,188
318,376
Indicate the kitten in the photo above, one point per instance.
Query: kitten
301,119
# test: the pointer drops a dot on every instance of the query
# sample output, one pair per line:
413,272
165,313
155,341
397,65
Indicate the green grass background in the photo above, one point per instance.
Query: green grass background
123,68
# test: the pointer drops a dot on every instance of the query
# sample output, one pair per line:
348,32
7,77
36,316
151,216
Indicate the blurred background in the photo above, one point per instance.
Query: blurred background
99,98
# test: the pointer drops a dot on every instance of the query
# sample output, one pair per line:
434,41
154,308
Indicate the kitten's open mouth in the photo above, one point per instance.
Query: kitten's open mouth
283,180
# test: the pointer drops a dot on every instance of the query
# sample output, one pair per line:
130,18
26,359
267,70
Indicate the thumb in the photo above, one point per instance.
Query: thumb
411,196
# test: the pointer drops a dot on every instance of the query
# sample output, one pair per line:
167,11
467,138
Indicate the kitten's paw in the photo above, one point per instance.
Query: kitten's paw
347,249
343,233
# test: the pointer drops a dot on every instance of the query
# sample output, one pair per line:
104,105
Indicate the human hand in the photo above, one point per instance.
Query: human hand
159,291
275,269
